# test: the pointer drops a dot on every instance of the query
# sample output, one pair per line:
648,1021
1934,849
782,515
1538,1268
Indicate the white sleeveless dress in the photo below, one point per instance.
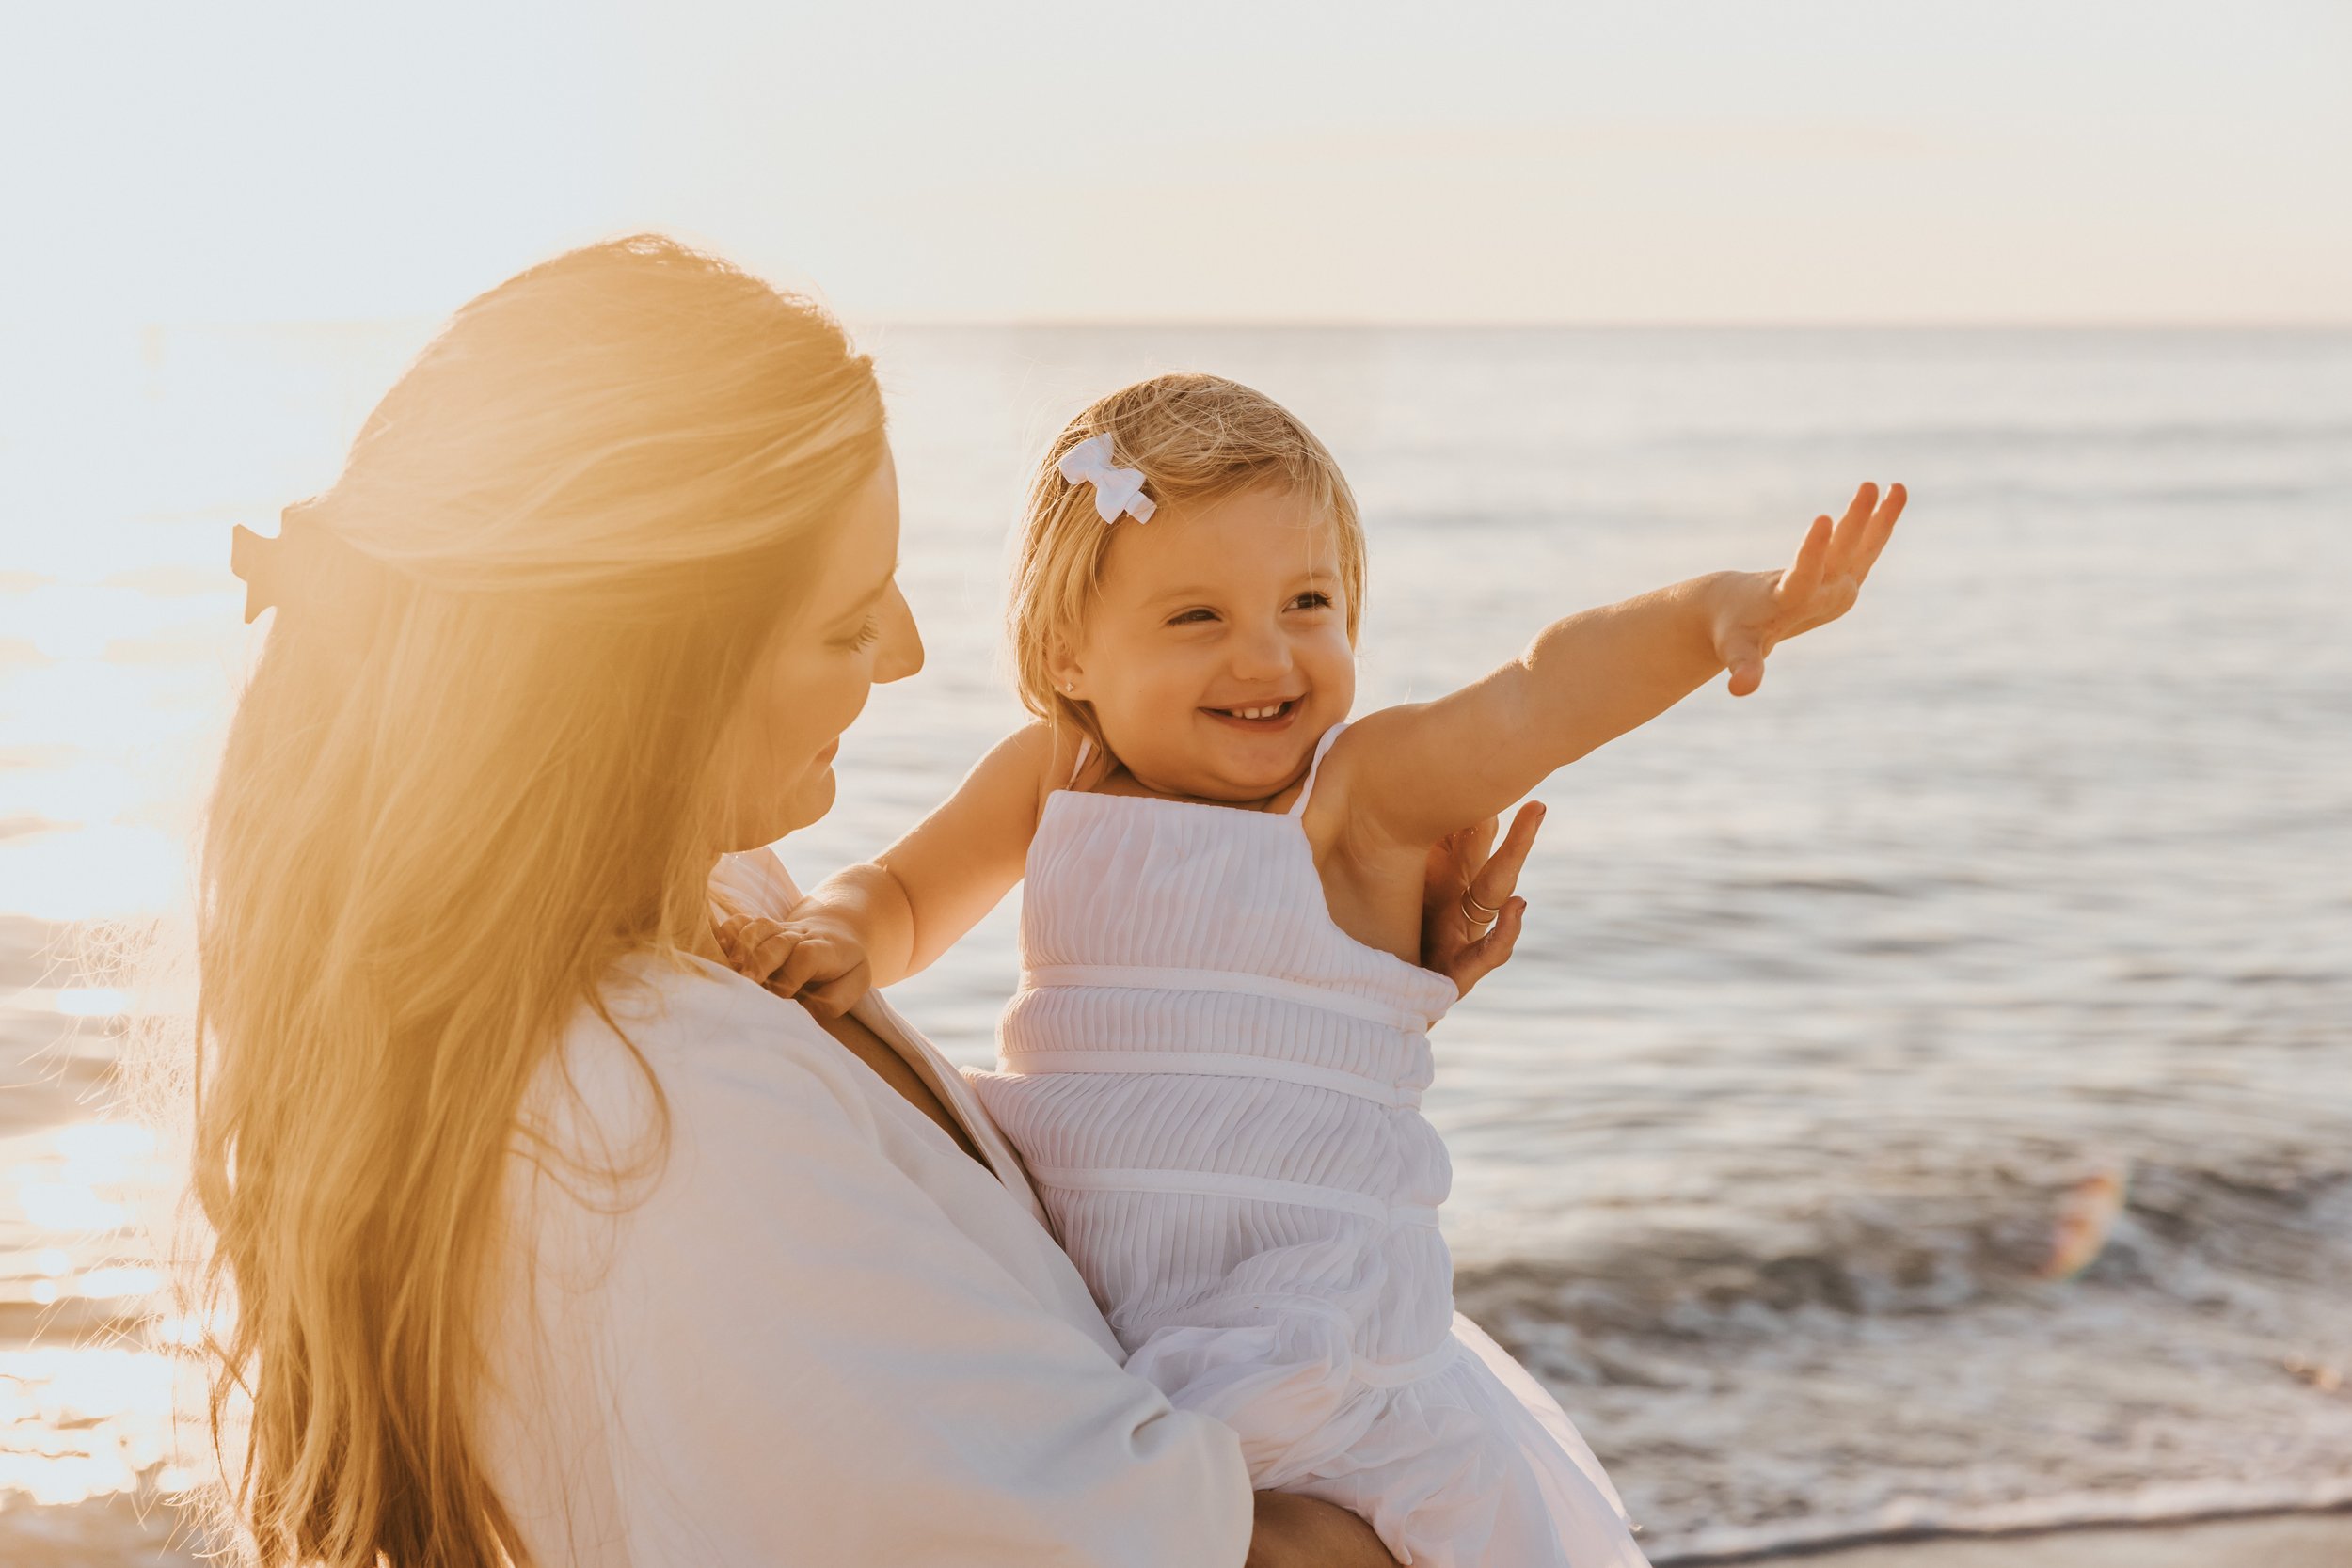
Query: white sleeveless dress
1216,1091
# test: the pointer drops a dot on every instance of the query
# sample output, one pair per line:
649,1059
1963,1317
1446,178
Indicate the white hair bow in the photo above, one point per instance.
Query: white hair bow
1117,490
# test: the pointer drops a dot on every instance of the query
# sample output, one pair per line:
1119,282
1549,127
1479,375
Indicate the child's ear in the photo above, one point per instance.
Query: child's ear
1068,676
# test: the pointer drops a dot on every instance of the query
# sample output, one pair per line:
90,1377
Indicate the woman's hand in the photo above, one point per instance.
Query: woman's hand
1459,938
1307,1532
1753,610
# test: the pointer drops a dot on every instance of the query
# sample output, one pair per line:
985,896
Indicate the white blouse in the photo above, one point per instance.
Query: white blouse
814,1330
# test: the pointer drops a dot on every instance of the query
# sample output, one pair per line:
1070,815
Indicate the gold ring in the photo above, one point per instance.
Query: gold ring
1477,913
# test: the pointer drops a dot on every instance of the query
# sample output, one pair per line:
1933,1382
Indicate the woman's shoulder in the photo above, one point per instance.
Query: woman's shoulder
753,882
674,1038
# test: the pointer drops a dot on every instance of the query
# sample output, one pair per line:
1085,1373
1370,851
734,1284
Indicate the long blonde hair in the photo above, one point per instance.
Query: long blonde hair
1194,439
471,772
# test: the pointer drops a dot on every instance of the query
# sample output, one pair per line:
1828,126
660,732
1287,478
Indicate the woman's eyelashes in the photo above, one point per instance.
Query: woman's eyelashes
869,630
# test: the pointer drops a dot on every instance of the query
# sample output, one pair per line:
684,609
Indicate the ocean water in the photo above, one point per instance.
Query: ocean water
1923,1098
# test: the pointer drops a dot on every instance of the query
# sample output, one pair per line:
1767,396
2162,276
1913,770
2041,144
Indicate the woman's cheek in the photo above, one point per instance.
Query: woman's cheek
857,690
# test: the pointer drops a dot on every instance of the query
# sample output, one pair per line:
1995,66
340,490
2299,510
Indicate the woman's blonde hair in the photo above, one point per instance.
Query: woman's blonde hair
1194,439
473,769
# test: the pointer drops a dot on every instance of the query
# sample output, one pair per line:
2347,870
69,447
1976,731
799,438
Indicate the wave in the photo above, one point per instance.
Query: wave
2182,1231
1926,1364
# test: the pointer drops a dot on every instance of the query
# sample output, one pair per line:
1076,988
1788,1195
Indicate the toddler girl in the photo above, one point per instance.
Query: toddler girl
1215,1064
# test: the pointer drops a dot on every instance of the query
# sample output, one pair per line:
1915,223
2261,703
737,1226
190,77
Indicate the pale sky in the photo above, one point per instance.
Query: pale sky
2135,161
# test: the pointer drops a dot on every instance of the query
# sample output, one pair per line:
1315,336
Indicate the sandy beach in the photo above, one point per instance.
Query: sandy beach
2275,1541
2287,1541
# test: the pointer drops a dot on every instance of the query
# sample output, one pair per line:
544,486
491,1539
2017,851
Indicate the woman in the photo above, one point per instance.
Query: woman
549,1239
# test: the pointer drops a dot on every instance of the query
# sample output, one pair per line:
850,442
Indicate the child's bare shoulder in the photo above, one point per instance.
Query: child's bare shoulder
1037,759
1357,773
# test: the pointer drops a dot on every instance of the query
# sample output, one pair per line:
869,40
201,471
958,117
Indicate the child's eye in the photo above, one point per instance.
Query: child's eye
1191,617
1315,598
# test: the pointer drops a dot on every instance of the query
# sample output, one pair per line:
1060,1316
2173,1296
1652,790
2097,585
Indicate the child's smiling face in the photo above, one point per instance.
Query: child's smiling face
1215,654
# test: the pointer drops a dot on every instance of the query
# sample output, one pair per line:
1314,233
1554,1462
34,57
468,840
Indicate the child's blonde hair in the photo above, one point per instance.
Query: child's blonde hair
1194,439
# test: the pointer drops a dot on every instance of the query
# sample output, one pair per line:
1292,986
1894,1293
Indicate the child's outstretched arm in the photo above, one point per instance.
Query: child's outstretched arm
874,925
1422,771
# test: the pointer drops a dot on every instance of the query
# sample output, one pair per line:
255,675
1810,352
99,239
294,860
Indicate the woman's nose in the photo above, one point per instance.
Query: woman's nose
901,652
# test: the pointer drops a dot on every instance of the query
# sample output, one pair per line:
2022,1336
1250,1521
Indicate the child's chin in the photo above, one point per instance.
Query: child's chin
1254,777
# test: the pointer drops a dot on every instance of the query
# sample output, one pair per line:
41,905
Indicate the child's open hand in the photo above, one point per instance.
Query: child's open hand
1755,611
804,956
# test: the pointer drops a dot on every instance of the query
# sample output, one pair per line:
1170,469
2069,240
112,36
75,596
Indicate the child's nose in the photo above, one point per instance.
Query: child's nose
1263,655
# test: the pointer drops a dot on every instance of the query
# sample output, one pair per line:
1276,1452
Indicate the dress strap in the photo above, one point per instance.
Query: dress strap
1322,748
1078,768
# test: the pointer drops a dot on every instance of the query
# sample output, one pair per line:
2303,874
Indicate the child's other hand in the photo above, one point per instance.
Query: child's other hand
1756,610
817,961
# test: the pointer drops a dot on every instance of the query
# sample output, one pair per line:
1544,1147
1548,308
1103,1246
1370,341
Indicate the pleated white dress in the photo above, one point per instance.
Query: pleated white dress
1216,1091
